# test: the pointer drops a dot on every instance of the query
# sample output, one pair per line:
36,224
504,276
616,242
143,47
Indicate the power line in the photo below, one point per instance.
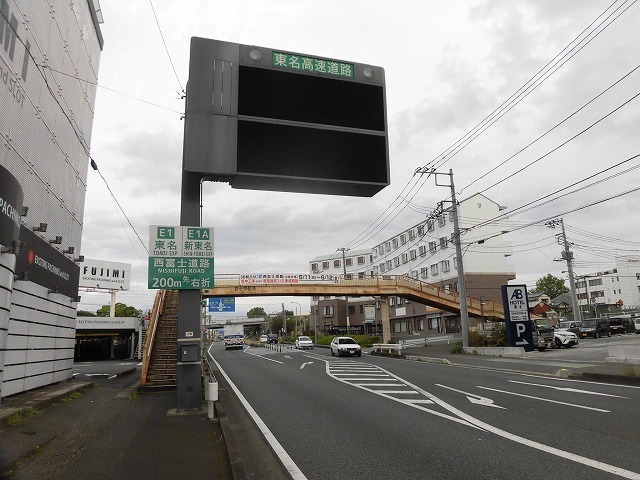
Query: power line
165,45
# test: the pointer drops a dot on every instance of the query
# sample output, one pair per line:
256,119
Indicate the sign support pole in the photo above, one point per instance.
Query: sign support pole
189,397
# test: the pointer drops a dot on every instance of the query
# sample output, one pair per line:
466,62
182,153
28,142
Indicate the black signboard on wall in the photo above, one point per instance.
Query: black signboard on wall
46,266
11,197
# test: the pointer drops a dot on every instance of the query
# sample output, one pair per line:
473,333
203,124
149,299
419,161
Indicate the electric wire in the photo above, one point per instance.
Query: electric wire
165,45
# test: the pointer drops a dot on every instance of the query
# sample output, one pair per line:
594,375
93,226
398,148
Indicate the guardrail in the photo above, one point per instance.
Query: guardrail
386,346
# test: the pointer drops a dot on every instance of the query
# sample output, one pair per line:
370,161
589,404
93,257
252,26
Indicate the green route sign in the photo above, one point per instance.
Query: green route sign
312,64
180,258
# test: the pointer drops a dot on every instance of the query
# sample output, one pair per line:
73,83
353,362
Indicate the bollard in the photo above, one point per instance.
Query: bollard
211,395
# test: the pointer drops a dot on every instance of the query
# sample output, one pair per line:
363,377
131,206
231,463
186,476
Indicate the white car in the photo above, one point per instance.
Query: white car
303,342
345,346
565,338
264,339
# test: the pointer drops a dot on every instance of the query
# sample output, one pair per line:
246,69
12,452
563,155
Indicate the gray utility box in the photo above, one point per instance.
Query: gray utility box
189,351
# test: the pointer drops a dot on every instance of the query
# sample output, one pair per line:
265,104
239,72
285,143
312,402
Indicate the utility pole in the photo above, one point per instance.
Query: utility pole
567,255
462,289
346,299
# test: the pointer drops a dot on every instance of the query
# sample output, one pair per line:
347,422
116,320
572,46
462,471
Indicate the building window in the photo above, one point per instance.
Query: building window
352,309
392,301
445,265
361,274
421,325
424,272
430,225
403,239
400,327
423,250
388,265
434,269
314,267
441,221
387,246
432,247
327,311
396,261
382,268
378,304
400,301
412,234
381,250
597,281
360,260
444,241
348,261
447,288
325,265
455,262
414,274
336,263
405,258
420,230
413,255
395,243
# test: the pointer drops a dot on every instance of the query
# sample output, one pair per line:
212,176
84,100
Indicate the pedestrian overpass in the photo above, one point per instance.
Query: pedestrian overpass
350,286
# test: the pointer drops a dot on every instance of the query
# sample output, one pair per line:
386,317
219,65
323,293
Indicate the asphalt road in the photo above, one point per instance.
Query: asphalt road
379,418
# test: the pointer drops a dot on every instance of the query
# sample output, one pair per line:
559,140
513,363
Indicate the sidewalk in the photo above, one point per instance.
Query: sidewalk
108,433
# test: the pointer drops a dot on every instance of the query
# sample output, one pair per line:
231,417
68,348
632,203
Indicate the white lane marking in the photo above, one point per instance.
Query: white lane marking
262,356
558,379
471,421
567,389
305,363
473,398
112,376
410,403
285,458
392,392
544,399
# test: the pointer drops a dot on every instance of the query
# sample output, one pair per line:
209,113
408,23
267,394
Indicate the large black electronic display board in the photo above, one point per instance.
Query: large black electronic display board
267,119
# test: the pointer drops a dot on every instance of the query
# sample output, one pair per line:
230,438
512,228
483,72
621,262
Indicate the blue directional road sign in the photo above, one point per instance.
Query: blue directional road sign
222,304
516,316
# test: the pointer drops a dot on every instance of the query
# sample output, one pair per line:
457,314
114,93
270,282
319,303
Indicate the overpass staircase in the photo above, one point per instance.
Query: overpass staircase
160,352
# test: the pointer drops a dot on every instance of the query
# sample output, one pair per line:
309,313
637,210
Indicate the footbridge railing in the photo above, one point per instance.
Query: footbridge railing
242,285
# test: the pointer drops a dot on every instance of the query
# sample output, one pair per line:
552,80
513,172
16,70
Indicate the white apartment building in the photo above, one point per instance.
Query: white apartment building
610,291
424,251
351,262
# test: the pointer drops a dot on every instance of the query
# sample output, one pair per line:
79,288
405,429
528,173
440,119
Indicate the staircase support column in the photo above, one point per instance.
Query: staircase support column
189,368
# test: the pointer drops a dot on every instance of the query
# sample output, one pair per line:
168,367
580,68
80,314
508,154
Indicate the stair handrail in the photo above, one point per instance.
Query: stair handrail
158,305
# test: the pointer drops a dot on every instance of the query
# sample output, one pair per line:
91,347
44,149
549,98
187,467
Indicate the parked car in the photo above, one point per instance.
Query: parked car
565,338
621,325
345,346
637,324
303,342
272,338
570,325
595,327
264,339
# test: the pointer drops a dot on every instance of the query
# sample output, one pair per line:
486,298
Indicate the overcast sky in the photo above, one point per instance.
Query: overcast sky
448,66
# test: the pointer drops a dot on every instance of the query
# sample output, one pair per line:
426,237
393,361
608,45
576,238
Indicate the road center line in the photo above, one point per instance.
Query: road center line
544,399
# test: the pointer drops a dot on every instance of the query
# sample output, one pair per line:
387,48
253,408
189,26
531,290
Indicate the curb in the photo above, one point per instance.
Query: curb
606,378
45,400
233,454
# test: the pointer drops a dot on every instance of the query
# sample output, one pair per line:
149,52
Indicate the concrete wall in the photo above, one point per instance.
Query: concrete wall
40,339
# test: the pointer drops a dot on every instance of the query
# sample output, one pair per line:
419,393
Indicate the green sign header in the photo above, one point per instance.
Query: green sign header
312,64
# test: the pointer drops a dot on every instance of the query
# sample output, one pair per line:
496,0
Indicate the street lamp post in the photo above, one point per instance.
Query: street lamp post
297,316
344,269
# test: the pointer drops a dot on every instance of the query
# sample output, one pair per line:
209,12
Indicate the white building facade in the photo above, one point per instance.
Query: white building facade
610,291
49,57
425,252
